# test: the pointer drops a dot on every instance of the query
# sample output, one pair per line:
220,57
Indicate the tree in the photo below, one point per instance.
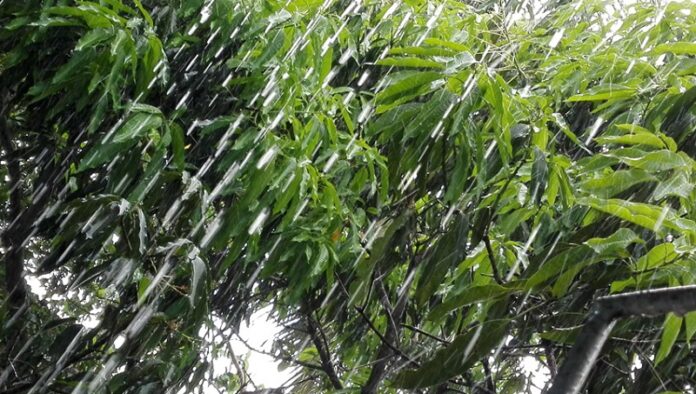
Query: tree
427,193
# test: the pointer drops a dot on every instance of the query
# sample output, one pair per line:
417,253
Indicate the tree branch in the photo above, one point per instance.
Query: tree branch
418,330
491,257
574,371
391,336
13,236
316,334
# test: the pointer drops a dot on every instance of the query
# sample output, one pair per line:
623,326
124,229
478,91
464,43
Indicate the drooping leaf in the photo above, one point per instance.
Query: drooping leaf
456,358
409,62
540,172
677,48
609,185
689,326
469,296
609,93
178,148
448,251
137,126
670,332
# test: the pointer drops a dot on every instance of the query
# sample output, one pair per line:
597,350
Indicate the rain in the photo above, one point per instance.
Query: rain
218,196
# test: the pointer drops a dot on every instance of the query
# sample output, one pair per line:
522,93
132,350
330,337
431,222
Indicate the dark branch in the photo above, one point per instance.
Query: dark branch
491,258
574,371
317,335
13,236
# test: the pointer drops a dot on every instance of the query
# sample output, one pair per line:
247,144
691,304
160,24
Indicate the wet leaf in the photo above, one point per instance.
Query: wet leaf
409,62
456,358
670,332
677,48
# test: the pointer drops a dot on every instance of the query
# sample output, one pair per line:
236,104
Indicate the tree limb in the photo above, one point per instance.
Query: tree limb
13,237
574,371
491,258
316,334
391,336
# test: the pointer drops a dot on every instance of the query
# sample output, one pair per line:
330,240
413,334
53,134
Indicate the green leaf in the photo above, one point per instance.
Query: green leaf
148,179
678,185
93,38
137,126
602,95
648,139
456,358
611,247
407,87
455,46
102,153
615,244
566,336
144,12
540,173
178,146
677,48
409,62
582,254
421,51
275,44
690,325
447,252
458,179
662,160
469,296
563,125
378,247
657,256
649,216
670,332
613,183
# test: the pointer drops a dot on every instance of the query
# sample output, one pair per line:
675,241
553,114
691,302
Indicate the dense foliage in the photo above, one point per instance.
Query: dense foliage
428,193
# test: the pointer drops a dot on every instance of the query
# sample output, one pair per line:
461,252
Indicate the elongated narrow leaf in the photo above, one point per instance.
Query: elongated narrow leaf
540,174
407,86
137,126
615,244
690,325
633,139
421,51
677,48
469,296
410,62
178,147
670,332
659,255
609,185
456,358
602,96
652,217
448,251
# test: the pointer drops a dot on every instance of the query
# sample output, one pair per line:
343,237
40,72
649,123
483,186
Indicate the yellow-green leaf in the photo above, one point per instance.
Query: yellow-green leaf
677,48
604,95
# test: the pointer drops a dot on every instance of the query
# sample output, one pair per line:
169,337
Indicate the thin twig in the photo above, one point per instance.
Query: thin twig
418,330
316,334
489,376
491,257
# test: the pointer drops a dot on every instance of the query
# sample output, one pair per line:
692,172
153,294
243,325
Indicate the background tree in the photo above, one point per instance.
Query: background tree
427,193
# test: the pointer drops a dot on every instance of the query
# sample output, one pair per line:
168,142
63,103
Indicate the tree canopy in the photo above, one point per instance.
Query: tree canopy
427,194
